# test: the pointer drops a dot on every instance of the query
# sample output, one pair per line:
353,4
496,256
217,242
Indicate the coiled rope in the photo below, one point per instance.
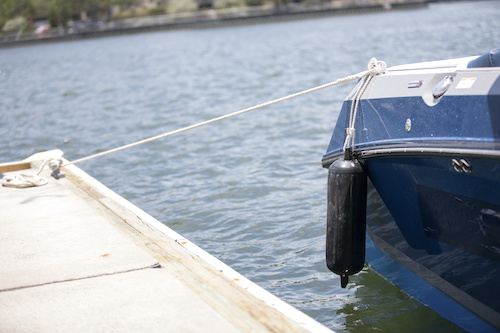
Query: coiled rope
374,67
22,180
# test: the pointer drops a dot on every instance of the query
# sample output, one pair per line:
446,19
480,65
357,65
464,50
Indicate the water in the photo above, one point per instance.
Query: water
250,190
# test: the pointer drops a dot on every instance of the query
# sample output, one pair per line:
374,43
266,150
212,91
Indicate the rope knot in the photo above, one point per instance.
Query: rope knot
55,164
377,66
350,132
22,180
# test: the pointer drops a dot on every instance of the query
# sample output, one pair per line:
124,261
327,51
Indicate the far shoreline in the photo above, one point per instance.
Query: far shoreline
202,21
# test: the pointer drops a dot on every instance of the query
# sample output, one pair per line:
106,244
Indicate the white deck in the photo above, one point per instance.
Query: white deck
77,257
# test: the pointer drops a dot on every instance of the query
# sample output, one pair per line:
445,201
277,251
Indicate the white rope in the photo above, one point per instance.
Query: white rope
23,180
376,67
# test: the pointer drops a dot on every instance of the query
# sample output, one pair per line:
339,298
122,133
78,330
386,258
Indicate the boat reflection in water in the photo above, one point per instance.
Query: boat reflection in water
427,136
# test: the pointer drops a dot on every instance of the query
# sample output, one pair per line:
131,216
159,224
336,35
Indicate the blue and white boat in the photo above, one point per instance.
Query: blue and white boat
422,169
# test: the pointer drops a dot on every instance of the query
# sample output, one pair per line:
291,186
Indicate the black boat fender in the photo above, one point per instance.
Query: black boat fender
346,217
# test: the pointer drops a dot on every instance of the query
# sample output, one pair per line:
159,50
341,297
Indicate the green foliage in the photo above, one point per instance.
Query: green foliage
182,6
156,11
221,4
10,9
15,24
59,12
254,2
127,3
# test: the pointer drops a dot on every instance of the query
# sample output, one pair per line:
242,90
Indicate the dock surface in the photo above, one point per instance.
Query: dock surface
78,257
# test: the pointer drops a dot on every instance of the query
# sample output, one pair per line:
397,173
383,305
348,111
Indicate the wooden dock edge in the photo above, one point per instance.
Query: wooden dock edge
16,166
240,301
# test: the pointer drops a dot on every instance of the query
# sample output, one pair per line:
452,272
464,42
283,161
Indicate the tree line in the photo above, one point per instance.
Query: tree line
57,12
17,15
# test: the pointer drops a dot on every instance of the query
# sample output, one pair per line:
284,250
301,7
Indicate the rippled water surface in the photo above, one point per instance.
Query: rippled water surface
250,190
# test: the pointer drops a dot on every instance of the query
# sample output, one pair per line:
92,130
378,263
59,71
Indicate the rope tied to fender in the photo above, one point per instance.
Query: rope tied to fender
375,67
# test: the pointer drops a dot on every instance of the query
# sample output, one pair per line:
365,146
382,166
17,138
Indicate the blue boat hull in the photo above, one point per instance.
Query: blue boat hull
446,239
433,212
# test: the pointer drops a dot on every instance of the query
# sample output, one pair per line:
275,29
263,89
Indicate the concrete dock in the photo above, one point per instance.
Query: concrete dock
77,257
